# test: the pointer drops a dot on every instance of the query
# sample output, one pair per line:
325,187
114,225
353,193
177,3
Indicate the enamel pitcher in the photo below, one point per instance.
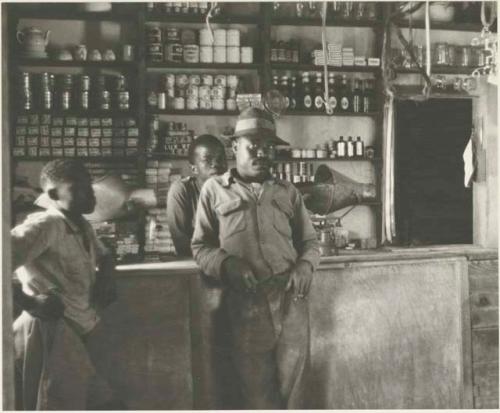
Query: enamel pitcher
33,39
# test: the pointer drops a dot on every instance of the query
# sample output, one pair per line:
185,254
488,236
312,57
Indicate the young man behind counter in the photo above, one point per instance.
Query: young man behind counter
207,158
58,335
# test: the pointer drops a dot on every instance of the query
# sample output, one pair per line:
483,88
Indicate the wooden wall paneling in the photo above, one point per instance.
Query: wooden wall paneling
148,344
391,335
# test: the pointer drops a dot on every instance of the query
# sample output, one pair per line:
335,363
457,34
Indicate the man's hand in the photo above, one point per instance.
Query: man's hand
45,306
238,274
300,279
105,290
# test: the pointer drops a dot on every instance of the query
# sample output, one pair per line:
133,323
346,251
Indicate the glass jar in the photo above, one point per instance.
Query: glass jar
440,54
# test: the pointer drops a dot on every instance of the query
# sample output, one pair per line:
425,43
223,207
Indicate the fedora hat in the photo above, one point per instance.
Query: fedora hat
254,121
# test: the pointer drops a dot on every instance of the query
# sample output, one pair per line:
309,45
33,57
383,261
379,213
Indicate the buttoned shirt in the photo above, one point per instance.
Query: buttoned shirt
182,201
50,254
271,230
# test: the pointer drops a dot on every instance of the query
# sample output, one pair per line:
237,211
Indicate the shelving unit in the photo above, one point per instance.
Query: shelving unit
445,70
139,19
463,27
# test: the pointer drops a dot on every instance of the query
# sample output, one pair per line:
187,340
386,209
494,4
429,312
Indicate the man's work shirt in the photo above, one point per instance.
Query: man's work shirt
49,253
182,201
270,228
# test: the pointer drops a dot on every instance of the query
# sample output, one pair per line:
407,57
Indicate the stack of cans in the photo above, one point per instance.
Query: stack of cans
26,92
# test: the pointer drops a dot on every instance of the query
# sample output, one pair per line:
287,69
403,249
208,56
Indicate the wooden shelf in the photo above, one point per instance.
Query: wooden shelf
69,13
464,27
80,113
166,156
82,158
215,66
322,113
186,112
157,17
21,61
444,70
316,68
330,22
283,159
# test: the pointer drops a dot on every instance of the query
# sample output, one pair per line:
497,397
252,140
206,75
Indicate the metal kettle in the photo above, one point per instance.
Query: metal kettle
33,39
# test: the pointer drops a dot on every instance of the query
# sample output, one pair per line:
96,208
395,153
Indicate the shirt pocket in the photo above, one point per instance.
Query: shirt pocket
283,213
231,217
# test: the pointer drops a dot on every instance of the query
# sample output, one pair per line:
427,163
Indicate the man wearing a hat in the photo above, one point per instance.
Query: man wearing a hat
253,233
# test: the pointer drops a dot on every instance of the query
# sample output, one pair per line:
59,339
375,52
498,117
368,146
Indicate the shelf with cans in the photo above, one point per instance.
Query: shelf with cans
196,93
192,46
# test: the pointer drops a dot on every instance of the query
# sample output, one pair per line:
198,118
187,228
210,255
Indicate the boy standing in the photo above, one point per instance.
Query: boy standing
56,253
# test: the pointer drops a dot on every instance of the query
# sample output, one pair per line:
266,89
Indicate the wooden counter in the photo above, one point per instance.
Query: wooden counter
389,329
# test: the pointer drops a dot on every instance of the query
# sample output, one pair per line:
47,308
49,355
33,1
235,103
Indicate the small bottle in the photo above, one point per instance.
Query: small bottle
293,94
285,91
357,97
341,148
345,98
307,100
276,84
350,147
359,148
318,93
368,97
332,92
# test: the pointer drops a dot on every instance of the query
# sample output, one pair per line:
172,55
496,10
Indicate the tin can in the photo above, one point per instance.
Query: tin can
204,92
47,99
220,37
188,36
205,37
206,54
181,80
194,80
233,54
231,104
191,53
233,37
205,104
85,83
218,104
179,103
232,81
162,101
154,34
84,99
154,48
207,80
220,54
25,80
174,52
220,80
192,103
172,35
104,101
192,92
247,54
218,92
123,100
231,93
170,92
65,100
168,80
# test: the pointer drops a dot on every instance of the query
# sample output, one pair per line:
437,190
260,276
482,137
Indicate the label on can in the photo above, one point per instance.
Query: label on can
205,104
174,53
162,100
207,80
194,80
206,54
192,103
181,80
220,80
218,92
204,92
192,92
231,104
191,53
218,104
179,103
172,35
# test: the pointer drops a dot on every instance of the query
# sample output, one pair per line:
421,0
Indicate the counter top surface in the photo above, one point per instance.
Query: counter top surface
344,257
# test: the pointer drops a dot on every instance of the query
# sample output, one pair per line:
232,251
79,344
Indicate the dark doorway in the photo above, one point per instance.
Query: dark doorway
432,204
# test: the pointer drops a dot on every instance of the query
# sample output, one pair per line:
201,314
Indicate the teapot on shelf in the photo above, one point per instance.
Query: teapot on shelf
33,40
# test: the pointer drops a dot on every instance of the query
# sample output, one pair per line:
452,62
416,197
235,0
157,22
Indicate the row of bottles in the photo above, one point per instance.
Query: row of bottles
345,95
